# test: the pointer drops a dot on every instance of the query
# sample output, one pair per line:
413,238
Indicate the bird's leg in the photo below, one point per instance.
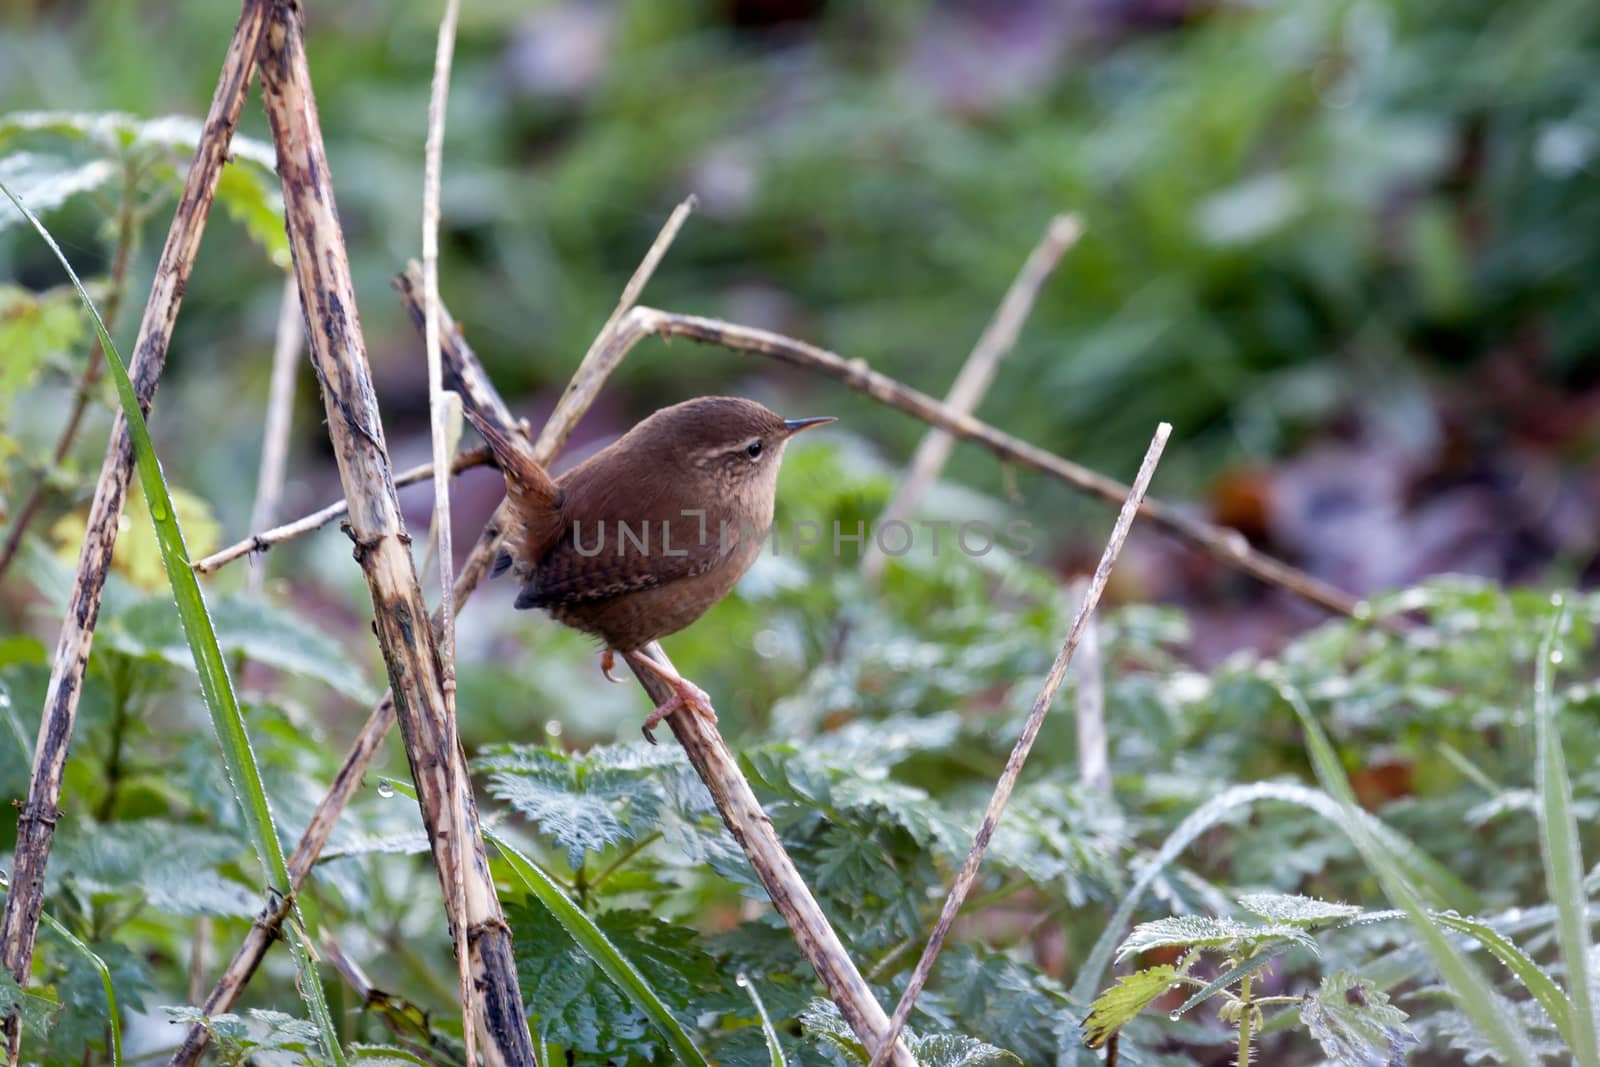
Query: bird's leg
685,694
608,660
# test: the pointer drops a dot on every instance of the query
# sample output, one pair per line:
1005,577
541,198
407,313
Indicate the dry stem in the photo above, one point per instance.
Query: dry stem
36,825
1094,767
469,378
1019,753
999,337
438,766
1227,545
433,166
286,346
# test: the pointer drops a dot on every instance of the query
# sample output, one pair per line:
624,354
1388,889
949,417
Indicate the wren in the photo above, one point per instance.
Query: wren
642,538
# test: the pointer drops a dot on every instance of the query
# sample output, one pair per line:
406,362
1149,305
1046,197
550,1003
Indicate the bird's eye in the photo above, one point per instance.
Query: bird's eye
753,449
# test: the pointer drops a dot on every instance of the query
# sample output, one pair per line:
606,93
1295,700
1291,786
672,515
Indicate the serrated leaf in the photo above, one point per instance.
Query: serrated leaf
1355,1023
137,553
45,182
822,1023
585,803
37,1013
1293,910
1202,931
254,629
175,867
34,328
1113,1009
254,199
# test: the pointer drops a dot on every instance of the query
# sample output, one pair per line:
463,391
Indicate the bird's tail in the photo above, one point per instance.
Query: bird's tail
536,496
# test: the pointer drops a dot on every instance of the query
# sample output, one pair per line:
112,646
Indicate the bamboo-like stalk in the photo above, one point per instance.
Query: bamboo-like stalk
36,823
468,378
1030,733
286,344
999,337
438,766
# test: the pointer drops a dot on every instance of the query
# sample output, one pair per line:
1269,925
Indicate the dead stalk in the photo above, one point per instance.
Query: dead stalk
36,824
999,337
1228,546
1094,765
438,766
286,345
468,377
1019,753
438,415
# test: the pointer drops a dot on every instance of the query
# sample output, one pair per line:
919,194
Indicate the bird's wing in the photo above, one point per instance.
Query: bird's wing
620,538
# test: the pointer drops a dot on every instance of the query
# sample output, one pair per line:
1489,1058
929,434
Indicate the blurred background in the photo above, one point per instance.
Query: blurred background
1347,248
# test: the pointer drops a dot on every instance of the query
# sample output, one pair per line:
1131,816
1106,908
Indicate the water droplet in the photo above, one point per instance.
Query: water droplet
741,980
552,728
1174,1015
158,511
386,789
5,879
1556,600
1556,655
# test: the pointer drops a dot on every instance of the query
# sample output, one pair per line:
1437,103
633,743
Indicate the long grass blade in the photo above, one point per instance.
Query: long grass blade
215,686
1473,991
775,1057
1563,859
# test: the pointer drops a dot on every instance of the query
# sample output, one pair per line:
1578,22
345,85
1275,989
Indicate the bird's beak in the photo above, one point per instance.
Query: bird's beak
794,426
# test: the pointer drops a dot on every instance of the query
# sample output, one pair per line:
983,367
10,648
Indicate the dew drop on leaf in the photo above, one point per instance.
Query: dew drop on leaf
1556,600
1556,656
1174,1015
552,728
386,789
741,980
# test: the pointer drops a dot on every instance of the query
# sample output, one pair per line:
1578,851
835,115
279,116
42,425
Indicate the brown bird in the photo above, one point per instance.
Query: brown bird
642,538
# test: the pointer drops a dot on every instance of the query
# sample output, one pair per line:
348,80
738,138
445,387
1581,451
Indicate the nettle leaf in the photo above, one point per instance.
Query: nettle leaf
1112,1009
1201,931
587,802
572,1003
253,198
38,1013
246,627
1292,910
35,328
824,1025
175,867
82,1022
1356,1024
45,182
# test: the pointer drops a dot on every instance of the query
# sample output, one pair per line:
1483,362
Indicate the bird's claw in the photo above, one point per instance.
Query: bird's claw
608,662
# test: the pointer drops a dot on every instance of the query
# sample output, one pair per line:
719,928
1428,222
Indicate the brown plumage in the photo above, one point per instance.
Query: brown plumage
642,538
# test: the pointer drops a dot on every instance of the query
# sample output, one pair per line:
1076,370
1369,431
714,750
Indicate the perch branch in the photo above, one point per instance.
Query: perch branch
382,547
469,378
1019,753
999,337
1227,545
438,416
742,813
36,824
286,344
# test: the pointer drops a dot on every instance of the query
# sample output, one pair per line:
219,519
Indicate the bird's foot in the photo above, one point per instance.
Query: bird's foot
608,662
686,696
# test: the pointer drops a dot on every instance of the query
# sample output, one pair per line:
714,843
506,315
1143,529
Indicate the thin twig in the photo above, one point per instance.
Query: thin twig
1094,765
127,233
1030,731
422,472
36,824
1228,546
286,344
468,376
338,349
999,337
433,167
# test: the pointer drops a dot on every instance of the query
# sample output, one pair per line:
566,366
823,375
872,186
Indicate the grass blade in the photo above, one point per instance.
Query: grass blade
215,685
1563,859
775,1057
1473,991
592,940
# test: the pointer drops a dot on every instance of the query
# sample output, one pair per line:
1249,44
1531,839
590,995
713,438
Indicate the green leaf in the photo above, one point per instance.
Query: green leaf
1292,910
768,1034
1113,1009
258,631
253,199
572,1001
36,1012
1355,1023
1238,972
175,867
1563,858
1202,931
35,328
226,718
47,182
1498,1025
822,1023
1534,978
586,803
